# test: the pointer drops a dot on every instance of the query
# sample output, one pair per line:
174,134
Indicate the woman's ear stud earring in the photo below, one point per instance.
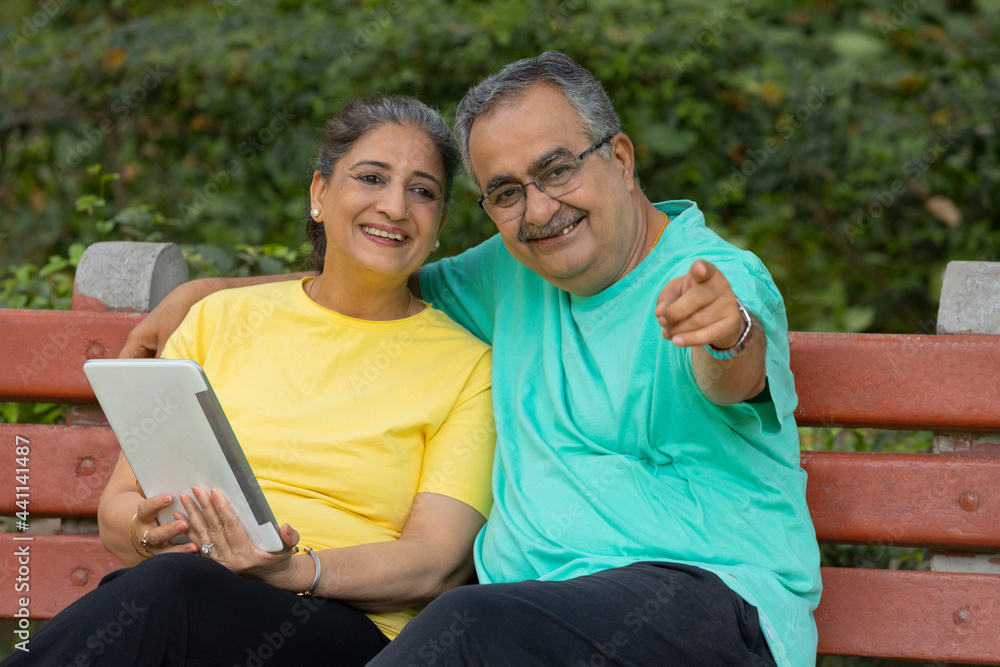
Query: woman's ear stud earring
315,212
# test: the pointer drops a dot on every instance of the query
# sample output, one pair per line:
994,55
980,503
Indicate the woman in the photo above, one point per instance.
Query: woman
364,413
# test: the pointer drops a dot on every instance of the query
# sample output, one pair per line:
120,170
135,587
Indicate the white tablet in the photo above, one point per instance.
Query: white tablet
175,436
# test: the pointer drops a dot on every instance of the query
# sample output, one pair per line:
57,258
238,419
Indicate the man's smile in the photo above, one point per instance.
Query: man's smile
564,222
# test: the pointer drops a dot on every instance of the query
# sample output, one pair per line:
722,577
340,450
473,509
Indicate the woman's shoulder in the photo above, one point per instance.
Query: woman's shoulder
453,351
434,325
274,293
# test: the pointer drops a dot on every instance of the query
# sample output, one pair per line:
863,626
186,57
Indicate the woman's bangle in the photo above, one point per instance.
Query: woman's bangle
130,538
319,569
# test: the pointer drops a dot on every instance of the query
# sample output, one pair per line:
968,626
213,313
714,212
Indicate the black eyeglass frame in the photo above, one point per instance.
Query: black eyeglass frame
524,192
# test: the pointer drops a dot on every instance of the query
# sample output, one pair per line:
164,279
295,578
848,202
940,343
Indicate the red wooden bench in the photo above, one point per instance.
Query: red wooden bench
949,502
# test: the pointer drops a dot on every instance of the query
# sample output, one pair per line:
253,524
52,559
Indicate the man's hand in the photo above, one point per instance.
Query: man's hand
699,308
150,335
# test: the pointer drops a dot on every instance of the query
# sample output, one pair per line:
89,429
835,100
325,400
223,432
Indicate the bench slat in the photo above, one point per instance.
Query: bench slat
41,359
929,383
854,498
927,500
61,568
840,378
68,468
910,615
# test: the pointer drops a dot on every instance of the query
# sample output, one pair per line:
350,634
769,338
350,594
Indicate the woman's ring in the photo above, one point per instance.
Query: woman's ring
207,548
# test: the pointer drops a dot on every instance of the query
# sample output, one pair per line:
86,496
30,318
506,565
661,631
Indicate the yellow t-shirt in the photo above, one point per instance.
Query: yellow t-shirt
344,421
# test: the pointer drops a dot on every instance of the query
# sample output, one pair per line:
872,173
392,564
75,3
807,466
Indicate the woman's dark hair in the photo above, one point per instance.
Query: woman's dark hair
359,118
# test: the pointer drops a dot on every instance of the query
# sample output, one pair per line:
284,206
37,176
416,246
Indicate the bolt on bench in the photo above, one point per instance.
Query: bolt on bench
948,501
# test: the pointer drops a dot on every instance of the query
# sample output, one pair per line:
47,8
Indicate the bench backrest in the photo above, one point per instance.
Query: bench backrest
944,501
912,382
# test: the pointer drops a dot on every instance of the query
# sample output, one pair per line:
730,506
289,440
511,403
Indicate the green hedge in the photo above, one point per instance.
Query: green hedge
853,145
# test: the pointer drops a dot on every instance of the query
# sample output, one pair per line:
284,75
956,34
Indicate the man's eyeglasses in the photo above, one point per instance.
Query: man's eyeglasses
507,202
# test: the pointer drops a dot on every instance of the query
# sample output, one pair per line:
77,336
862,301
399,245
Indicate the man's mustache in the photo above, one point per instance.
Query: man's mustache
563,218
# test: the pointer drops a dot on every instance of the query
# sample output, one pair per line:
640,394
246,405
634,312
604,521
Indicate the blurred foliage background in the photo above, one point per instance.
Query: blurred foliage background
853,145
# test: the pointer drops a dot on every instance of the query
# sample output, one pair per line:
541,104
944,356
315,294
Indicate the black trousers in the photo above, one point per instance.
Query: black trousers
185,609
657,614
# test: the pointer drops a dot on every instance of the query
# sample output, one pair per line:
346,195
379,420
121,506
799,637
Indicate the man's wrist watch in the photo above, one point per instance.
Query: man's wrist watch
741,344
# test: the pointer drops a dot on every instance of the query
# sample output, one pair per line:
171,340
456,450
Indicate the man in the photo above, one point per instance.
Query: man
649,505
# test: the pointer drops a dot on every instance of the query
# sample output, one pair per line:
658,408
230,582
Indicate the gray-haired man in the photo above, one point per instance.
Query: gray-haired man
649,504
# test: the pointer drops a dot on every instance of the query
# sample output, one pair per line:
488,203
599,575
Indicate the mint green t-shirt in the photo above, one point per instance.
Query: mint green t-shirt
608,453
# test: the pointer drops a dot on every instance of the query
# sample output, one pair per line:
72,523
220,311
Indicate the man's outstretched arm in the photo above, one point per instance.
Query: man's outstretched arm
699,309
150,335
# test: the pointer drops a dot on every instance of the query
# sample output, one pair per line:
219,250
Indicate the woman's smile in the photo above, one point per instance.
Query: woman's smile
391,236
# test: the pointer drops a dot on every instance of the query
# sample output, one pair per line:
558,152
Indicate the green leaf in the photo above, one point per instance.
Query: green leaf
88,202
271,265
858,319
667,141
55,263
857,46
75,253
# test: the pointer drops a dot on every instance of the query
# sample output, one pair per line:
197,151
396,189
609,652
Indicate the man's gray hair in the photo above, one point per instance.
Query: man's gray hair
583,91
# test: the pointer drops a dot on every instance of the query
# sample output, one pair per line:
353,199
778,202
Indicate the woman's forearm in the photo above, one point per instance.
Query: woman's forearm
114,519
125,517
385,576
433,555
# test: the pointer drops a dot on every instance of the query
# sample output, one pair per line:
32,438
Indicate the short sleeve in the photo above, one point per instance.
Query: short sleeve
458,457
753,285
190,339
464,287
